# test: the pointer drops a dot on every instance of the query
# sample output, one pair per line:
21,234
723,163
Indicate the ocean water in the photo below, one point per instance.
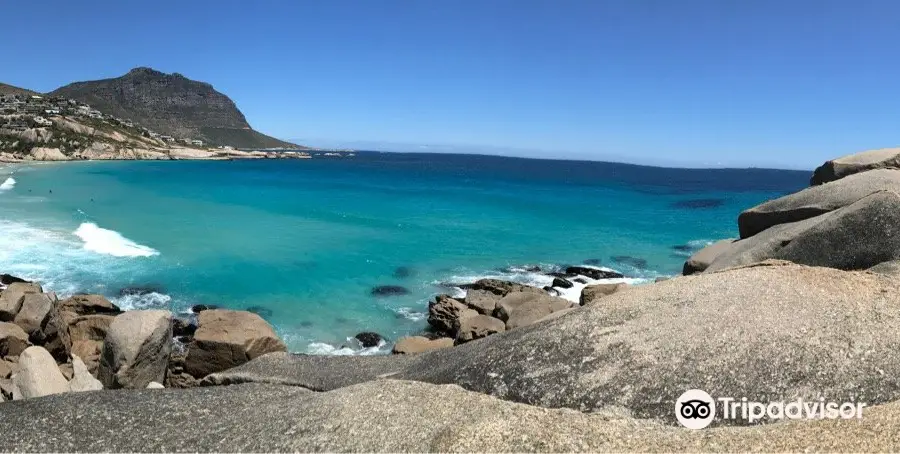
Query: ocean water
303,242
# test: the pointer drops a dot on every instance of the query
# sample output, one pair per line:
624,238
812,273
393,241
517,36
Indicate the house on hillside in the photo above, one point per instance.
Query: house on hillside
167,138
41,121
196,142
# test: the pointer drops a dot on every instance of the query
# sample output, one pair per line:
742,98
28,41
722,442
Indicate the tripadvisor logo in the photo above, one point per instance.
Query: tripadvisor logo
695,409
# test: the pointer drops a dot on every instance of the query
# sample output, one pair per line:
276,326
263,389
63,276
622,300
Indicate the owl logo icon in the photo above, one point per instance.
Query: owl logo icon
695,409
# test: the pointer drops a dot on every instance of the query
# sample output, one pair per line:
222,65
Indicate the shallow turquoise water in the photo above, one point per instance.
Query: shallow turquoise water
307,240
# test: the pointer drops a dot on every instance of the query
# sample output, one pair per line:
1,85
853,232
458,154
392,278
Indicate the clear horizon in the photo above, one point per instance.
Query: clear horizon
695,83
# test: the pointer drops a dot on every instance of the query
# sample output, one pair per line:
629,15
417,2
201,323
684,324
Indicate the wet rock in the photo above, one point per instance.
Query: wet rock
630,261
580,280
593,273
562,283
198,308
404,272
698,204
141,290
369,339
182,327
7,279
389,290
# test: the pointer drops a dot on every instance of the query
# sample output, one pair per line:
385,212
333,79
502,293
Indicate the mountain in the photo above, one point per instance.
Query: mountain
173,105
11,90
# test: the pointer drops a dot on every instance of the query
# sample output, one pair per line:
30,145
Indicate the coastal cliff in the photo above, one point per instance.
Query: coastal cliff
804,306
172,105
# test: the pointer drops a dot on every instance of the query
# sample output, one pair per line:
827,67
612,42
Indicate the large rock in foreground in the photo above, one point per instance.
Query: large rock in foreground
136,349
804,332
835,169
225,339
701,259
38,374
388,416
816,200
854,237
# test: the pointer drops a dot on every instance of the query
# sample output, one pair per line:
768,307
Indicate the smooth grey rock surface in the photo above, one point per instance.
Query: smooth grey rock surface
136,349
854,237
816,200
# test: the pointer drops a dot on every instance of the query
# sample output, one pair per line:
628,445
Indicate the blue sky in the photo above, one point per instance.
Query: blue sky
786,83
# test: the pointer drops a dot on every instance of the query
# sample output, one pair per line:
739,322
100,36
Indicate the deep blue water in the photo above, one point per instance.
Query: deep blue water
305,241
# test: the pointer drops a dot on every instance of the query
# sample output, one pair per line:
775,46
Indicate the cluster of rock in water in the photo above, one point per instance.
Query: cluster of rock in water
804,306
85,343
492,306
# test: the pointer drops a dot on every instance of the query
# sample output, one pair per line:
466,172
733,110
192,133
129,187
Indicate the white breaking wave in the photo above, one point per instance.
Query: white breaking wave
150,300
110,242
321,348
8,184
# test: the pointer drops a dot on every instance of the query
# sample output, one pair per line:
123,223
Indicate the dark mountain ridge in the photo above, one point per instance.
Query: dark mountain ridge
173,105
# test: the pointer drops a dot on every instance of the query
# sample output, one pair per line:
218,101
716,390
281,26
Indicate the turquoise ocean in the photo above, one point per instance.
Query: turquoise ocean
304,242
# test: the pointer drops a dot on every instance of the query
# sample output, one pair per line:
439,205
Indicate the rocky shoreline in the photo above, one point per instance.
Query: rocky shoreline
804,305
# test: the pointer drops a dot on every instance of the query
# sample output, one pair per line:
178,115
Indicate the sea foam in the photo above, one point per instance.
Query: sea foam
110,242
8,184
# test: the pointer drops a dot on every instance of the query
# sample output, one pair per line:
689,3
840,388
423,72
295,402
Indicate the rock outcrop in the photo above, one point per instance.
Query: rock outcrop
591,293
136,349
835,169
655,341
477,327
524,308
854,237
817,200
390,416
445,314
700,260
225,339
